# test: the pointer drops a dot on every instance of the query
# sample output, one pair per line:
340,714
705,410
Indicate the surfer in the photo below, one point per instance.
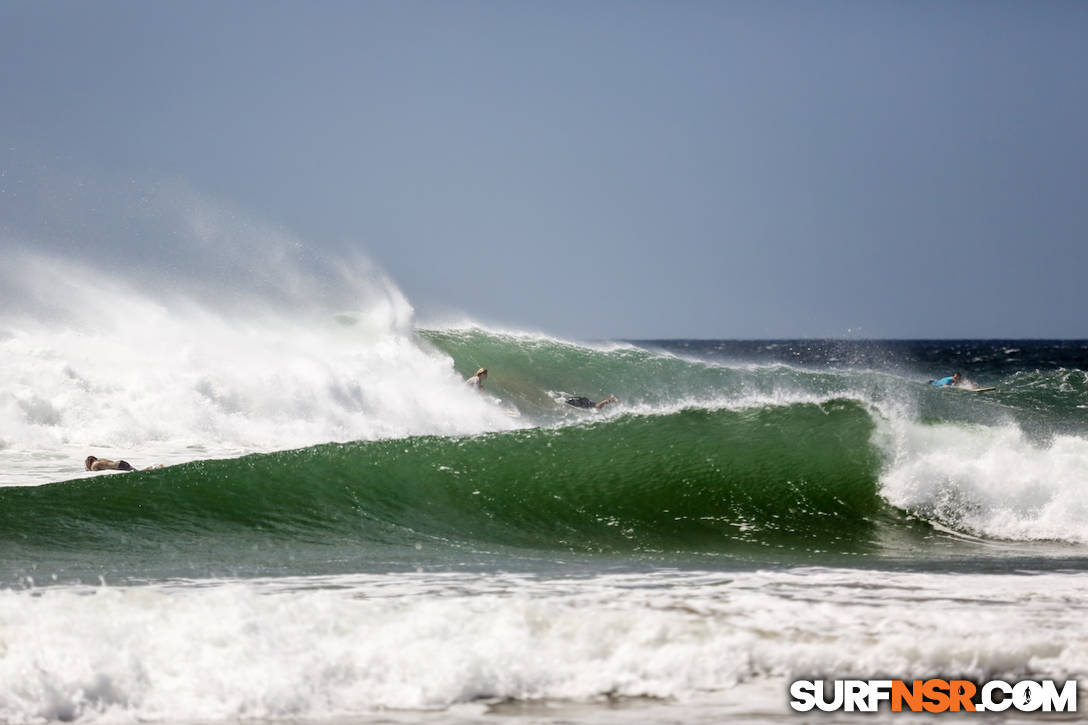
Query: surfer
587,403
105,464
953,379
477,380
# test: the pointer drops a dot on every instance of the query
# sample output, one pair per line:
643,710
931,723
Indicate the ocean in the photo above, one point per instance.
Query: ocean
344,532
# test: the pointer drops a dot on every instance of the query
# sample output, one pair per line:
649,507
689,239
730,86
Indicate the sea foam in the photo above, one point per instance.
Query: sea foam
990,480
360,646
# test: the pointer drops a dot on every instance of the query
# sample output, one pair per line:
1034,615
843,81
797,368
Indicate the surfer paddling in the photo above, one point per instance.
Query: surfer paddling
587,403
105,464
955,380
477,380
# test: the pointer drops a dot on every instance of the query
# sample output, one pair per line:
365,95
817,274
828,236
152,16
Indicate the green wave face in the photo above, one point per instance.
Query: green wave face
799,477
533,374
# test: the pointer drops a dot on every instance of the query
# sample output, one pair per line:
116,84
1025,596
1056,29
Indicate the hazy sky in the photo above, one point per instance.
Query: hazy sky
600,169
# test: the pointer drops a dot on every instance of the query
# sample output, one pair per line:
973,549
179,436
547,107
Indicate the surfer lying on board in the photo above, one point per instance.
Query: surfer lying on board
477,380
953,379
587,403
958,381
105,464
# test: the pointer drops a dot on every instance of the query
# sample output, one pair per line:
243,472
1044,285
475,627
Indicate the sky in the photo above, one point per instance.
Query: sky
591,169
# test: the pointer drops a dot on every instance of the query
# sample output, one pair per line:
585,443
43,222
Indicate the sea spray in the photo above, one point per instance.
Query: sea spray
214,336
165,381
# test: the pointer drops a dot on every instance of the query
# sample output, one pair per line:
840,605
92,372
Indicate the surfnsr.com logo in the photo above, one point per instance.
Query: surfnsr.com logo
933,695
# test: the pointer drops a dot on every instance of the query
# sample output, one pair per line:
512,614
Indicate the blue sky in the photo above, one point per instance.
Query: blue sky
590,169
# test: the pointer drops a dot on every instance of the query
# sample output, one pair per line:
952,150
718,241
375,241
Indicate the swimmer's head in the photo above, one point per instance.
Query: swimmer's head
90,460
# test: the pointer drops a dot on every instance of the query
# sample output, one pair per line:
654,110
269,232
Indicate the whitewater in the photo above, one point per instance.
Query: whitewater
343,530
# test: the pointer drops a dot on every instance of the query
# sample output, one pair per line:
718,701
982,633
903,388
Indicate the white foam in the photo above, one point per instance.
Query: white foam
352,646
989,480
95,366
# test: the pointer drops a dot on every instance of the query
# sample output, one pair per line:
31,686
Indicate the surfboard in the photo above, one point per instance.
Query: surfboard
982,390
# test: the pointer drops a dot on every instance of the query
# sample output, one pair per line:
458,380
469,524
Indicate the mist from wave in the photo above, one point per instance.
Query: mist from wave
236,338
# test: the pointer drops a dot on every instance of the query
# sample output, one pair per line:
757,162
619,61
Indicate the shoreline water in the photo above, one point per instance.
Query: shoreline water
666,645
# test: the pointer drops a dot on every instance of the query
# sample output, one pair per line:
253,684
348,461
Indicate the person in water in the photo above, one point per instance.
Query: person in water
587,403
477,380
105,464
953,379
